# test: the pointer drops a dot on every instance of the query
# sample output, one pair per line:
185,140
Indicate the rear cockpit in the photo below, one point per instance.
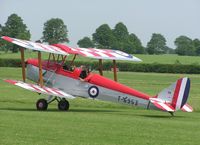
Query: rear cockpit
59,64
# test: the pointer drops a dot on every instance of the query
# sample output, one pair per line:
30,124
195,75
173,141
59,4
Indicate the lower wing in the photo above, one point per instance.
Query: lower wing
42,90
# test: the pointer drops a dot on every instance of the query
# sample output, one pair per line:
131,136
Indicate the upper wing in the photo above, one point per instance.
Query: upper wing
35,46
65,50
98,53
43,90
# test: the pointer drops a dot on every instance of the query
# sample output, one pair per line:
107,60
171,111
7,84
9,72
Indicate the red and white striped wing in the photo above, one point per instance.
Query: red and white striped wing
66,50
98,53
35,46
43,90
106,54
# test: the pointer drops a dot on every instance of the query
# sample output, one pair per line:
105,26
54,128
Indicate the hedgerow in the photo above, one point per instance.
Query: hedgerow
125,66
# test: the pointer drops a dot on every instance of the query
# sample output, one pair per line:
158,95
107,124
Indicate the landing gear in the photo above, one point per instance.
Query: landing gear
42,104
63,105
172,113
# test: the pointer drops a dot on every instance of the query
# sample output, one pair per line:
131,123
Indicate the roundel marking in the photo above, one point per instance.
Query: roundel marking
93,91
123,53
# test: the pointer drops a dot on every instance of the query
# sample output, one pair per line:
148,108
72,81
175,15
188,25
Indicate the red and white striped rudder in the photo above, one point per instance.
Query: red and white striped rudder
174,97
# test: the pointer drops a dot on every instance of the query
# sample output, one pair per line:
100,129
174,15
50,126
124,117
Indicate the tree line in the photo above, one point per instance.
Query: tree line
104,37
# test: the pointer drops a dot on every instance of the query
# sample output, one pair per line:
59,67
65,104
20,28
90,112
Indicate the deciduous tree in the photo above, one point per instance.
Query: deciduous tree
184,46
14,27
196,43
129,43
118,38
121,32
103,37
157,44
135,44
55,31
0,29
86,42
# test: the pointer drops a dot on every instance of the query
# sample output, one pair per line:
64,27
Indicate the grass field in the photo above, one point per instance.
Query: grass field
91,122
161,59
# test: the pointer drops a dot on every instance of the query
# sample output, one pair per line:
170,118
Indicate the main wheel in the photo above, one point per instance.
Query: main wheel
63,105
42,104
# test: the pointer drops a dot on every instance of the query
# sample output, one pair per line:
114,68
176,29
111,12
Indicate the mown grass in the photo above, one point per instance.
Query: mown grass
169,59
92,122
161,59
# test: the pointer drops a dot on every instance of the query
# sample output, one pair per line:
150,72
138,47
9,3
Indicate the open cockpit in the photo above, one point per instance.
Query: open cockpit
59,64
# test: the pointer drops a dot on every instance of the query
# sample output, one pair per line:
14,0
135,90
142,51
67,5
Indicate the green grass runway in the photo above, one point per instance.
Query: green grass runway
92,122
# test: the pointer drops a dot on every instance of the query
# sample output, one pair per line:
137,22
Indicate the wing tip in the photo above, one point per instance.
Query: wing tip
137,59
187,108
9,39
11,81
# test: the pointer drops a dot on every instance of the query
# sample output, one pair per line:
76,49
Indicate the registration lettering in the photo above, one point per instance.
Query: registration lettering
127,100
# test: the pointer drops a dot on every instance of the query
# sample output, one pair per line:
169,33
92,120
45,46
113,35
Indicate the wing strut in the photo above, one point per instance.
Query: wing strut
72,62
23,64
100,67
115,70
40,69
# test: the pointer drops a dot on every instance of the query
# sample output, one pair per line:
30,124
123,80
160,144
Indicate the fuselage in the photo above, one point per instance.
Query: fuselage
95,86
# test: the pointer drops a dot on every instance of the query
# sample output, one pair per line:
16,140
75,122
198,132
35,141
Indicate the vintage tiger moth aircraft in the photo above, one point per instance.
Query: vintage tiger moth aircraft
60,83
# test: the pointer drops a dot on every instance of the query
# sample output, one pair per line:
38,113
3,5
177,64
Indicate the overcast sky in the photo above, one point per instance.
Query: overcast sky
171,18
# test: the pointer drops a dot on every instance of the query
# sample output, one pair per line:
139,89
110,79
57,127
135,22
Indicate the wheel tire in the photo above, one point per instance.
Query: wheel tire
63,105
42,104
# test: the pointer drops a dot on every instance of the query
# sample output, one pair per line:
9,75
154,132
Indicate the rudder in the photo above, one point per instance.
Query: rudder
181,93
175,96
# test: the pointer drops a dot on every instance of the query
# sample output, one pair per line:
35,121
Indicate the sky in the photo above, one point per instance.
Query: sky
171,18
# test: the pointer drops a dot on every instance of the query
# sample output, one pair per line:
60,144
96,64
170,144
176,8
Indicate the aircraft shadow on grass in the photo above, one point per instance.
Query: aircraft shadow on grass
161,116
55,110
119,112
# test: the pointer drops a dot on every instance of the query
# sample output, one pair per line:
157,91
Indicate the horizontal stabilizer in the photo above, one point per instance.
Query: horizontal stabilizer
187,108
42,90
162,104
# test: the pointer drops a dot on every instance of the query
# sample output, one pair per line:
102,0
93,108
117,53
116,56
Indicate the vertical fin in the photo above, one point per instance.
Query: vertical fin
175,95
181,93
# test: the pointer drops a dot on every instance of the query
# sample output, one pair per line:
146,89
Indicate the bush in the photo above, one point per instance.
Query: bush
10,63
125,66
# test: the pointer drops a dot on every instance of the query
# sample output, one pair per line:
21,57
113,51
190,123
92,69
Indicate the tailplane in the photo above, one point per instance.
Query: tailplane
174,97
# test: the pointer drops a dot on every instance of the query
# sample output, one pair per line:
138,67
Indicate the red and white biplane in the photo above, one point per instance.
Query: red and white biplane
61,82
